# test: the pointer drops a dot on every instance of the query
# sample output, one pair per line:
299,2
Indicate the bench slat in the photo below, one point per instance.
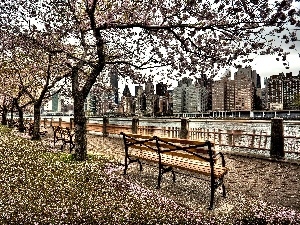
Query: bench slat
192,165
183,141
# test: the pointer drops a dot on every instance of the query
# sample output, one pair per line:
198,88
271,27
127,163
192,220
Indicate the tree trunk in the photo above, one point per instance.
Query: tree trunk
37,121
21,126
21,120
4,116
80,140
11,117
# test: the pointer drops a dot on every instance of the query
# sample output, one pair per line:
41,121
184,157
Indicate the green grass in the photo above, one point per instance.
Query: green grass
41,187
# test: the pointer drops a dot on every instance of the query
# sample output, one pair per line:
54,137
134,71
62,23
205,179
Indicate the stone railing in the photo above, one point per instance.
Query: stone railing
274,144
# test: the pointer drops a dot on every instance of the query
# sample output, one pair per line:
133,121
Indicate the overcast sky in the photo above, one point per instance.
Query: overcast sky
265,65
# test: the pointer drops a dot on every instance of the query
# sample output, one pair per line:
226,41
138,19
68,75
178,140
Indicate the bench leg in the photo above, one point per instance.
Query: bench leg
174,178
62,146
126,166
131,161
54,139
159,180
212,195
159,176
141,167
224,191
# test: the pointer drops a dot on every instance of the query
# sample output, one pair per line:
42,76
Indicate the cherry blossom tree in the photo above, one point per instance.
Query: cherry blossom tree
180,37
31,75
41,78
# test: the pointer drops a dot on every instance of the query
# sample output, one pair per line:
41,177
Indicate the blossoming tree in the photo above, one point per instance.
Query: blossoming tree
181,37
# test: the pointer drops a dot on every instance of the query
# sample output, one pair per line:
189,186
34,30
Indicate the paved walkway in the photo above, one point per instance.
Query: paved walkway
253,185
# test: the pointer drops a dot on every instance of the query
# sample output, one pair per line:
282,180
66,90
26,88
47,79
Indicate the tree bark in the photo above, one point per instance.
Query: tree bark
4,116
80,140
21,127
21,121
11,117
37,121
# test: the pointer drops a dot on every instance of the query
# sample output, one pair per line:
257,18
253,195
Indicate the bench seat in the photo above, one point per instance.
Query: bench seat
184,163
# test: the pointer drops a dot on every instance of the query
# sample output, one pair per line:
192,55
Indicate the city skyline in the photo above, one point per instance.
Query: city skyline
295,71
265,65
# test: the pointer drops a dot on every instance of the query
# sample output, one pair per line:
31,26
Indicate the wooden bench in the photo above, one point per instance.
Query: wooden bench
65,135
29,129
12,123
171,153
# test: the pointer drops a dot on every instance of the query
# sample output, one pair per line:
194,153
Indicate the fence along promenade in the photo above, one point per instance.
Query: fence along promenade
274,145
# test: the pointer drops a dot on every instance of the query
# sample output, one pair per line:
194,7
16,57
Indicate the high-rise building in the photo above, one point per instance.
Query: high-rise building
275,92
186,80
230,95
149,88
189,97
244,92
126,91
54,104
137,89
237,94
114,84
219,95
140,103
179,99
291,88
219,92
282,90
247,71
161,89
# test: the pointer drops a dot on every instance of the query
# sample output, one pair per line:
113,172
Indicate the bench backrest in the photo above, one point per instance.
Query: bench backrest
190,149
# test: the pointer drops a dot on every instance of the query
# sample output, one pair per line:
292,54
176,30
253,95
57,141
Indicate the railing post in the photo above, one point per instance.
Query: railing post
252,139
229,133
184,129
71,123
45,119
51,121
104,128
277,139
59,122
135,124
220,137
259,143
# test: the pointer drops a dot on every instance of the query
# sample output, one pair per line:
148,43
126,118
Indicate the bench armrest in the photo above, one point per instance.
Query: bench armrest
220,155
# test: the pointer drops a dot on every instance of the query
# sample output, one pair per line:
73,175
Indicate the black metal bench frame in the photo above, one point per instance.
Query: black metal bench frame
65,135
29,128
156,144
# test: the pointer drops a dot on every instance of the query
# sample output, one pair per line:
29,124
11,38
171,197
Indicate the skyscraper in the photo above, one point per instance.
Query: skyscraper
114,84
161,89
126,91
149,88
244,92
189,97
282,90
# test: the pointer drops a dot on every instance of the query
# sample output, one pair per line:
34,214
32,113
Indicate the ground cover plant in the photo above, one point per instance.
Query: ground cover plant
39,186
